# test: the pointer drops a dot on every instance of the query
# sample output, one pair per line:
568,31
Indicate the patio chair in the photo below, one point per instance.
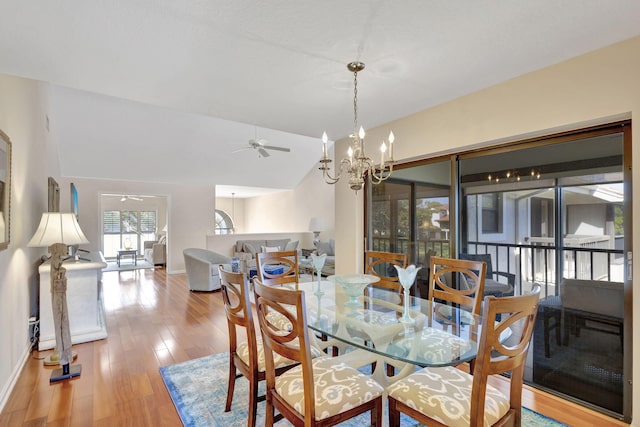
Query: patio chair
450,397
492,285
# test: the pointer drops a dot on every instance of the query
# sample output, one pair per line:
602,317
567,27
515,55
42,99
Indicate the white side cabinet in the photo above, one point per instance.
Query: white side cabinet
84,301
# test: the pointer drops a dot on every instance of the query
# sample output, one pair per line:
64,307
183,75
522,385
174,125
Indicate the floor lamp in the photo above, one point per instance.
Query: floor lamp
57,231
316,225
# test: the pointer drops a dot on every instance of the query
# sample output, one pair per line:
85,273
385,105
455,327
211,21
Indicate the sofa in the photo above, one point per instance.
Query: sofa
246,250
155,251
201,266
329,248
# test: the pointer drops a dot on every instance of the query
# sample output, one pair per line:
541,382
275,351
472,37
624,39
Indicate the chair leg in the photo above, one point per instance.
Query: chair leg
376,413
394,415
231,384
253,402
545,318
268,413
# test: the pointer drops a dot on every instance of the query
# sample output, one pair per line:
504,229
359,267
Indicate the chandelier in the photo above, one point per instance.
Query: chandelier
358,165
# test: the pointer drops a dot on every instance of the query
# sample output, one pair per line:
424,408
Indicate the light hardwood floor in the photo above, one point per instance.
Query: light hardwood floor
153,320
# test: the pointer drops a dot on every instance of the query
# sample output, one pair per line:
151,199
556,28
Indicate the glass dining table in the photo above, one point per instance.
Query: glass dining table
371,328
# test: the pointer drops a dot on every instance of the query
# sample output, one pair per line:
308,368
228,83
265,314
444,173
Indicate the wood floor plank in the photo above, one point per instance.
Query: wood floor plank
153,320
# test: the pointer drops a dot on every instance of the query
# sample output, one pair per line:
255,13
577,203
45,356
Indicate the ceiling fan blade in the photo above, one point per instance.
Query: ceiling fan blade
263,152
270,147
241,149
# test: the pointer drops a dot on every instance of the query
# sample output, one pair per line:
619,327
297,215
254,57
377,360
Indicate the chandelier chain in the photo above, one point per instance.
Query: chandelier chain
355,102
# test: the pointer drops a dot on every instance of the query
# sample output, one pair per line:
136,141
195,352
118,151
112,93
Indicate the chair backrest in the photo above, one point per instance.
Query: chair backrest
292,343
237,307
496,354
457,281
278,268
377,261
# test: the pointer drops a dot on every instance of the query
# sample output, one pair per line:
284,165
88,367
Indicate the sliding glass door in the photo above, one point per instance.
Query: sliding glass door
552,212
410,214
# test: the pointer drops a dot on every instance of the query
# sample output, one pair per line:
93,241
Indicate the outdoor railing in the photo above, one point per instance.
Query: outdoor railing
534,262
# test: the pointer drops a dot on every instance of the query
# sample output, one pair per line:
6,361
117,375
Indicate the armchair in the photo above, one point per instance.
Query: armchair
155,252
202,268
492,284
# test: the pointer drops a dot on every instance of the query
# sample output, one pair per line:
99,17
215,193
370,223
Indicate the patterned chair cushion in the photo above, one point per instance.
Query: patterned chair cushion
444,394
278,361
279,321
338,387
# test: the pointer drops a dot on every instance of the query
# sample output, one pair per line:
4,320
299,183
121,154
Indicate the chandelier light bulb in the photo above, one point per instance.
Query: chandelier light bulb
361,133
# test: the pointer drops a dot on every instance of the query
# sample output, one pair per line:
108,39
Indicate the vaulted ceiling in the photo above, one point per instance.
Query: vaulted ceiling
166,90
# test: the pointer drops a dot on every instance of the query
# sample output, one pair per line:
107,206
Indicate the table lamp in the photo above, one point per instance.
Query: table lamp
57,231
316,226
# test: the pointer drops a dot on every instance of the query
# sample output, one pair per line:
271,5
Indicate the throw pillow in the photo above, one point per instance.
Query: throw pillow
324,248
249,248
270,249
163,240
291,246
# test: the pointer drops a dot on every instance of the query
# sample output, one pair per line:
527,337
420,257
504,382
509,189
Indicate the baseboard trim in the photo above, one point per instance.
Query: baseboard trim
13,379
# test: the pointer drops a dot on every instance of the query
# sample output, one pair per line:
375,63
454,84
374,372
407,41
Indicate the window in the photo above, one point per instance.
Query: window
127,229
491,213
224,223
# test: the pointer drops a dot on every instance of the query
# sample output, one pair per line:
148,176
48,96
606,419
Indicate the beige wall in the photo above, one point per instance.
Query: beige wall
23,110
598,87
290,211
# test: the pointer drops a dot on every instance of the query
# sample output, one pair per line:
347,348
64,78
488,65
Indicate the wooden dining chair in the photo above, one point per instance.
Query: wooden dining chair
278,268
457,281
318,392
247,357
449,396
381,265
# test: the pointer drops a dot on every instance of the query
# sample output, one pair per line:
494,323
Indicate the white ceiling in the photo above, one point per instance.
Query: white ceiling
163,90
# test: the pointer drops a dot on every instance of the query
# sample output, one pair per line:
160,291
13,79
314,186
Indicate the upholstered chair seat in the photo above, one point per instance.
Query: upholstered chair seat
243,353
448,396
278,360
451,388
335,384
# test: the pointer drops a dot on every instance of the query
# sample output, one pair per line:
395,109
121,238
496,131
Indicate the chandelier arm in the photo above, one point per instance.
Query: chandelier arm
327,175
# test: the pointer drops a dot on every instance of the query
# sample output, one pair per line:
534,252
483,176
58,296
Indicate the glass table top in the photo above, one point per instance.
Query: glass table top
438,334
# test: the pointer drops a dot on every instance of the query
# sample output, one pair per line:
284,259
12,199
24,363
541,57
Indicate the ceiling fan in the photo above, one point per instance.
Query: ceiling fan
261,145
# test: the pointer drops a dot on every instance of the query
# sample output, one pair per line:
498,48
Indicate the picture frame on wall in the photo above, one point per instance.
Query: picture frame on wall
54,196
5,190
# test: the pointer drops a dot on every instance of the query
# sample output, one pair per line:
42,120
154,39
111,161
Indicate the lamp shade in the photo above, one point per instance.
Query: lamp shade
56,227
316,224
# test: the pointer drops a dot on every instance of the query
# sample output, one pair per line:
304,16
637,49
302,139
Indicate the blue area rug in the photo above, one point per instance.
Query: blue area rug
199,390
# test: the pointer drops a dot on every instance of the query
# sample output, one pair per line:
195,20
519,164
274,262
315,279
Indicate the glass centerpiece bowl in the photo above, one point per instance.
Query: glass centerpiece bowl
353,285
